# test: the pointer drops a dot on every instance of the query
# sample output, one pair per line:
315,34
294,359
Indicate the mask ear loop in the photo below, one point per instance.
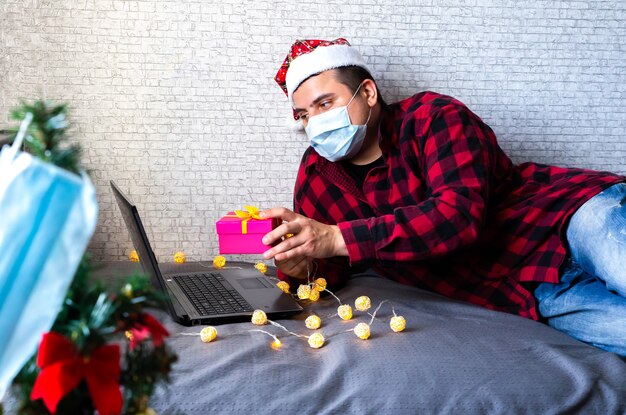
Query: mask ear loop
368,116
349,102
355,92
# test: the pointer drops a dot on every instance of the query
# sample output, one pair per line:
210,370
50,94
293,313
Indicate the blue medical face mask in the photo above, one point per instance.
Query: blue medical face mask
332,134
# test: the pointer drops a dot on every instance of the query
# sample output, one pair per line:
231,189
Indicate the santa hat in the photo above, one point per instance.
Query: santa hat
312,56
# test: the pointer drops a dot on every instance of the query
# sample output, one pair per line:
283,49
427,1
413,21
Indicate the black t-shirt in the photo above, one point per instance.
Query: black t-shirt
359,173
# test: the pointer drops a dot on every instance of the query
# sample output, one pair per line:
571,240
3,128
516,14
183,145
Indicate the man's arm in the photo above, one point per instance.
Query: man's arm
299,266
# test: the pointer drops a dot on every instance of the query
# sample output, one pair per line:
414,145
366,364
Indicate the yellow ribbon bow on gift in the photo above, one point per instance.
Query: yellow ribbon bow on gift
250,212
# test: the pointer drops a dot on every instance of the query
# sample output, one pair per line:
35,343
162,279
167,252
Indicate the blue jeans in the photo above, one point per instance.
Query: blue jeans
590,301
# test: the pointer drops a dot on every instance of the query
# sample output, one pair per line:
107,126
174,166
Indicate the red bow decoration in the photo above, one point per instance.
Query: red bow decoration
149,326
62,369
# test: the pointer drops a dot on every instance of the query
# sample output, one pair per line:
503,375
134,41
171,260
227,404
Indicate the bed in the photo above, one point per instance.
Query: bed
453,357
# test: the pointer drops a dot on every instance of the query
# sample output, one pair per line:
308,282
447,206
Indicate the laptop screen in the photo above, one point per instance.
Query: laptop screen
140,241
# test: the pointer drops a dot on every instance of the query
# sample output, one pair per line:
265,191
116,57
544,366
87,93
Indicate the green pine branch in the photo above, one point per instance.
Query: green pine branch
93,315
46,135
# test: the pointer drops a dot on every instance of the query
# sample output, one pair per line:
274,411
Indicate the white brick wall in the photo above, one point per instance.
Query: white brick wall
174,100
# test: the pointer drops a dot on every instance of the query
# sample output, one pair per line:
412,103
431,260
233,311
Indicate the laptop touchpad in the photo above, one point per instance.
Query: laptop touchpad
251,283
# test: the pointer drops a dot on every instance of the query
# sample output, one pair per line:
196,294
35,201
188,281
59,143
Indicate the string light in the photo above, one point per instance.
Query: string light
208,334
313,322
310,291
180,257
331,293
320,284
273,323
304,291
376,311
344,311
397,323
261,267
284,286
362,331
363,303
316,340
276,343
133,256
219,262
259,318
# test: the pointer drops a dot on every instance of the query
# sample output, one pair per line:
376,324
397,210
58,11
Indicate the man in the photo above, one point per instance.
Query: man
420,192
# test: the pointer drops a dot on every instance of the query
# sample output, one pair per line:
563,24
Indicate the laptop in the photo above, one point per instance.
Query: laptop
206,295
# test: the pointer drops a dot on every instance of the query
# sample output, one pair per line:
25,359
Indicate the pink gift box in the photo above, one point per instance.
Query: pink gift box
233,241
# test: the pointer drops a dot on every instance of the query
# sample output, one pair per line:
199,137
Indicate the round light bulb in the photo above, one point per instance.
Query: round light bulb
180,257
259,318
284,286
133,256
313,322
261,267
304,291
208,334
320,284
316,340
344,311
362,331
397,323
219,262
363,303
276,344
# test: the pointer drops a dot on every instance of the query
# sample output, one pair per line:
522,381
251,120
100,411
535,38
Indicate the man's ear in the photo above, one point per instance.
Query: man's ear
371,92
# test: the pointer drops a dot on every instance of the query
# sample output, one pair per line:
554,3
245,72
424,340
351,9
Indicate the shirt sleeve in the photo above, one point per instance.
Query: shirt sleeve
336,269
455,152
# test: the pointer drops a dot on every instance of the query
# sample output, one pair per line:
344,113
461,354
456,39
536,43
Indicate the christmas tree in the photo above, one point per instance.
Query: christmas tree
104,352
94,316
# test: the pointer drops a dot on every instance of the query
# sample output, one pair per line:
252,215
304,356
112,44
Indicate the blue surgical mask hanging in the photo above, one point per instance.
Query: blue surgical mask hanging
332,134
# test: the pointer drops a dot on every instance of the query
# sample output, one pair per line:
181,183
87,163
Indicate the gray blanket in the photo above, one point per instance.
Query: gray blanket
452,358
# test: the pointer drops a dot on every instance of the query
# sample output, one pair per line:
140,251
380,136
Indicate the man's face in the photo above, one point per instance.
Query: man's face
324,92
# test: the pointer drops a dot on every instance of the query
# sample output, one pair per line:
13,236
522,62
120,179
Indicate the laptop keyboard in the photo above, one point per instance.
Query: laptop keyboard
210,293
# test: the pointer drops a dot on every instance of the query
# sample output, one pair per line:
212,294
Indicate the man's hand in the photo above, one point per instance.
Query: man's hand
311,239
297,267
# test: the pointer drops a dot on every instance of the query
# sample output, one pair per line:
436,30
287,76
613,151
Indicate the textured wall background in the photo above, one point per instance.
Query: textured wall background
174,100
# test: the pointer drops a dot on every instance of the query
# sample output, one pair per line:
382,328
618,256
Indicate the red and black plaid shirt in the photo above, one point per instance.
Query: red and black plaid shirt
448,211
